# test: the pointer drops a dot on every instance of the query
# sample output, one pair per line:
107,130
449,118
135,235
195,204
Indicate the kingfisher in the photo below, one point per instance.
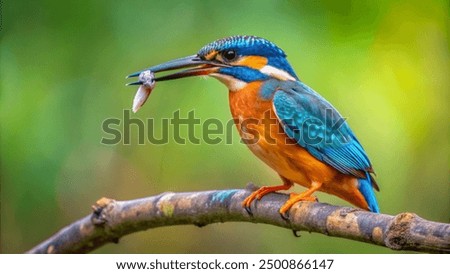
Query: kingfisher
284,122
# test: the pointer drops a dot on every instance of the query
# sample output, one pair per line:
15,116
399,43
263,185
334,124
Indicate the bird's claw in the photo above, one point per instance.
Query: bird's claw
249,210
247,203
285,215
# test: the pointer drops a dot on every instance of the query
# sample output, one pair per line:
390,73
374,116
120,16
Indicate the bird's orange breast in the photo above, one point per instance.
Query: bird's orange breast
260,129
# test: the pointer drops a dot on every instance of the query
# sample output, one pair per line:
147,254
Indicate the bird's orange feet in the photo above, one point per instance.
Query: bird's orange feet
262,191
295,197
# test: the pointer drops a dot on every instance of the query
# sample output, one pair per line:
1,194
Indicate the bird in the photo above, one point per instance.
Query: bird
284,122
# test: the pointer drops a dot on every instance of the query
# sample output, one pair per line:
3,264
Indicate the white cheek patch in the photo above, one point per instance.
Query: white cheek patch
232,83
277,73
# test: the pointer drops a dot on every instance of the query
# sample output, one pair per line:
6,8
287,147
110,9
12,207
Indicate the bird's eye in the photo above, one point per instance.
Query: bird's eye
229,55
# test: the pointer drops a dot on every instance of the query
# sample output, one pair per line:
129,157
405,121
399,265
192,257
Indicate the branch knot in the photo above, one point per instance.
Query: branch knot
100,211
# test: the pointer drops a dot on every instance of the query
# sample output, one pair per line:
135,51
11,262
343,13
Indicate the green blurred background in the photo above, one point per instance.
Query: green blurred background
383,64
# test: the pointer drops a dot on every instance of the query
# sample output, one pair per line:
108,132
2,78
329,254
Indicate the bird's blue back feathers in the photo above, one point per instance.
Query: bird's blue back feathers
318,127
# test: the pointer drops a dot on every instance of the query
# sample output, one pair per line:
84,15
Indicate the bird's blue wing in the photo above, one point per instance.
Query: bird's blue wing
318,127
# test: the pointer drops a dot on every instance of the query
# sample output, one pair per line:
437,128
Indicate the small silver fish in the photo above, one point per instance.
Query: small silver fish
147,78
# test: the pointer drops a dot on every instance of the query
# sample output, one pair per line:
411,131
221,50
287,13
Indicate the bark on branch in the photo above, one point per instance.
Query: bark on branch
112,220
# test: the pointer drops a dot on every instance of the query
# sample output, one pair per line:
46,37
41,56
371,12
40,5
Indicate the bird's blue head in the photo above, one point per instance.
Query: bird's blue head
235,61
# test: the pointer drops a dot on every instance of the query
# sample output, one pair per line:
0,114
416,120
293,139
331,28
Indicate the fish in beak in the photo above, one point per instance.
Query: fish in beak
193,66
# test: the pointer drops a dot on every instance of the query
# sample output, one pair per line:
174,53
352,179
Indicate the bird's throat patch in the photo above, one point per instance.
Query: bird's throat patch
232,83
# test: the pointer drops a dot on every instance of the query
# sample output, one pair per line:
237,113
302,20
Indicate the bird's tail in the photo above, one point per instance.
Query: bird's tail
366,187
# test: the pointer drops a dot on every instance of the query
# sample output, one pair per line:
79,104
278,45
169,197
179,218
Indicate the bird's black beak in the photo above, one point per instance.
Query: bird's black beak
196,66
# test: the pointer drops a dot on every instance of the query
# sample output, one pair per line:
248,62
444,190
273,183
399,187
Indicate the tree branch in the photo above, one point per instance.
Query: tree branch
112,219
